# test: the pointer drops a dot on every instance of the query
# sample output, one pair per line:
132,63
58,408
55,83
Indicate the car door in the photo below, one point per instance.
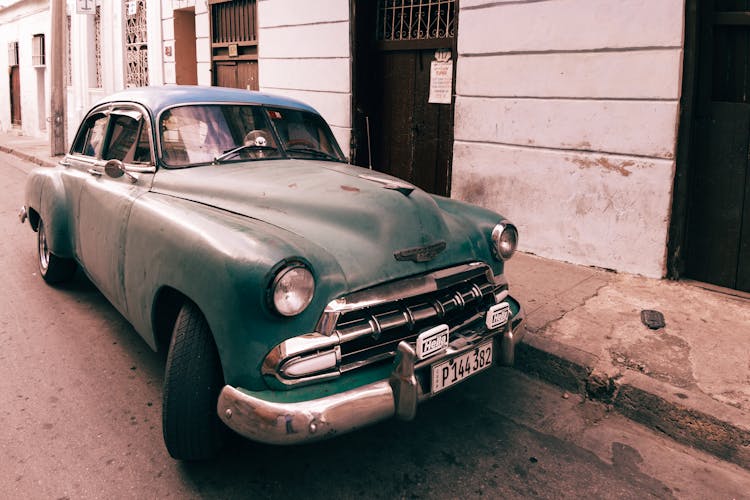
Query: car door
106,199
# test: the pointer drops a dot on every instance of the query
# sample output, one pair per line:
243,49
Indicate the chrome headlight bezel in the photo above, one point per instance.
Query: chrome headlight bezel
292,289
504,240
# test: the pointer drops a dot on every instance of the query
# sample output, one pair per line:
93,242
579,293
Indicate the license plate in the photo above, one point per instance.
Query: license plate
452,371
497,315
432,341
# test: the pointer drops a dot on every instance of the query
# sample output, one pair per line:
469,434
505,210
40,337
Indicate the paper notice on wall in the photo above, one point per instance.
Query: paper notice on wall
441,82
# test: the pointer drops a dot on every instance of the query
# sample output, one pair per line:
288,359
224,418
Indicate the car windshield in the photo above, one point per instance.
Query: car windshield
217,133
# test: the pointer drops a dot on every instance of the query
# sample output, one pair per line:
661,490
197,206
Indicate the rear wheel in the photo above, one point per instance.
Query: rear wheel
192,382
53,269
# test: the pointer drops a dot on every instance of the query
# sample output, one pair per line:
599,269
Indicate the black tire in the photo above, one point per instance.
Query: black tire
192,382
53,269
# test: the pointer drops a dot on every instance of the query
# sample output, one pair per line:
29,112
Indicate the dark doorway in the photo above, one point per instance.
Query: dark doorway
716,171
397,130
186,67
15,96
15,84
234,43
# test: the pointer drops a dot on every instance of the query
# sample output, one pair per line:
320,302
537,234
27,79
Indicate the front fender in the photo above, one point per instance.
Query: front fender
223,262
46,195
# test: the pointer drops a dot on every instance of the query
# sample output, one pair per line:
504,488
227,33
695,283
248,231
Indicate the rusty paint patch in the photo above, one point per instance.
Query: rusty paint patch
350,189
621,167
293,185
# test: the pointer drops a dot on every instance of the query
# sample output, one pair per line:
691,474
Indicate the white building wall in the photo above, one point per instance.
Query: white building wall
202,40
20,22
83,92
565,122
304,53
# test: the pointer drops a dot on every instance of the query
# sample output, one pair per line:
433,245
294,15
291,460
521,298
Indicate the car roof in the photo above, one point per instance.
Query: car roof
156,99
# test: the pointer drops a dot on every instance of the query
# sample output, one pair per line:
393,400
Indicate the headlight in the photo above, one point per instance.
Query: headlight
504,240
292,289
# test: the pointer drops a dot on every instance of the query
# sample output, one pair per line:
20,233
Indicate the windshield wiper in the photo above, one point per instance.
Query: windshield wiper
314,152
233,152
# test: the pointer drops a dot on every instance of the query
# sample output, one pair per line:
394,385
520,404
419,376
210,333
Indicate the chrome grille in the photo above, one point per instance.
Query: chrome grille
371,334
365,328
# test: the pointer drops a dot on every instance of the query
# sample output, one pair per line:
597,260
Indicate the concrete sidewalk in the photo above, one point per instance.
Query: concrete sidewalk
690,379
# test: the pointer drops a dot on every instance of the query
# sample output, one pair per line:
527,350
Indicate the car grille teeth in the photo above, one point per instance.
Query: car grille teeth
372,334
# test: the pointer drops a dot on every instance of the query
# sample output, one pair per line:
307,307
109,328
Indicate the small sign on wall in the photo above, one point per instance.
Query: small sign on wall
441,78
86,7
168,51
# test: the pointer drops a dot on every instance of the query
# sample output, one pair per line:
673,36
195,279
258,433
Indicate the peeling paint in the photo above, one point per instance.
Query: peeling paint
351,189
605,163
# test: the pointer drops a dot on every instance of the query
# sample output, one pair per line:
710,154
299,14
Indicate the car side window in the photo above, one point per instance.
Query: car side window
128,137
91,136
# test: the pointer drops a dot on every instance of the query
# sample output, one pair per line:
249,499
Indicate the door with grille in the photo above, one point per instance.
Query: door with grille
234,43
398,128
717,245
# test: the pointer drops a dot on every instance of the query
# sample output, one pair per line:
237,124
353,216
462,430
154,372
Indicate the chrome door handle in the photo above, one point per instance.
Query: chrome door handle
96,172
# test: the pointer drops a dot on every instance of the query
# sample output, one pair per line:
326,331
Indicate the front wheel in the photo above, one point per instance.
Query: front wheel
53,269
192,382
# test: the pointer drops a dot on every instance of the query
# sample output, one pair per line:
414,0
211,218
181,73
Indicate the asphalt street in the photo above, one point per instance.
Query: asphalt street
80,407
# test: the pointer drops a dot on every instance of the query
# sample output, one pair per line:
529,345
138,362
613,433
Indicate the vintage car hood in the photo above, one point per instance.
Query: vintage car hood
361,222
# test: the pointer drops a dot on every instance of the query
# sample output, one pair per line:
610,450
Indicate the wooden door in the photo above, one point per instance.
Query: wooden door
234,43
718,220
236,74
396,129
15,96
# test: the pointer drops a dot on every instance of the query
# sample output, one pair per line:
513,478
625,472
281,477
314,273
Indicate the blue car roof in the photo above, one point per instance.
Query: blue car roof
156,99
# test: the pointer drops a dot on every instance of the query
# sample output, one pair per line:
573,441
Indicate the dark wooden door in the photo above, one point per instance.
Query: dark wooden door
718,220
15,96
236,74
396,129
234,43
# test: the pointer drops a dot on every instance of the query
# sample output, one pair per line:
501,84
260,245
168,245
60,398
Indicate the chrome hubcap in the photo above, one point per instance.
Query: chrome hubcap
43,249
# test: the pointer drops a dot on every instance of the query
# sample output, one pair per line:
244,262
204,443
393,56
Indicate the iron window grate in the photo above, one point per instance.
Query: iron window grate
416,19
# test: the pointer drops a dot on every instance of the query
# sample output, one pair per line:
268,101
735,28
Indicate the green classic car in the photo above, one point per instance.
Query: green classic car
297,296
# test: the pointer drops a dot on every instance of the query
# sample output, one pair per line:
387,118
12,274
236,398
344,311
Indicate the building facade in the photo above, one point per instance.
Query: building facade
614,133
24,49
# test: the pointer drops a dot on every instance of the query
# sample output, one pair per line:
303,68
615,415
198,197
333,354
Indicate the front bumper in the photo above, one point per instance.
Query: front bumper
290,423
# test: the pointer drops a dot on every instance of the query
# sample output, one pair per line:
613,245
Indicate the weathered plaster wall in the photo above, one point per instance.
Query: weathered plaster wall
304,53
20,22
566,119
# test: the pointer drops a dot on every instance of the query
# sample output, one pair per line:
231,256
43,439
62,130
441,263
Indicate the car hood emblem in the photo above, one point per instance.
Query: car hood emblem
420,254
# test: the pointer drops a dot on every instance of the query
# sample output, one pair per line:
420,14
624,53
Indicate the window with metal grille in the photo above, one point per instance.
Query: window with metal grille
37,50
233,21
13,54
416,19
136,44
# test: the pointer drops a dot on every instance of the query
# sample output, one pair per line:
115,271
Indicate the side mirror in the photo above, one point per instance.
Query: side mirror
114,169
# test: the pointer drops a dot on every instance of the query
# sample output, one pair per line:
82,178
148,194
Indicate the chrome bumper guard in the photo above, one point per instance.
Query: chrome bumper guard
314,420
